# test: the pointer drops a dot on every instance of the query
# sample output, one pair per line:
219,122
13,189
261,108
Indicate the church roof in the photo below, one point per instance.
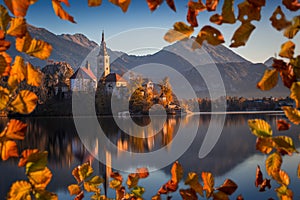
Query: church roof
114,77
83,73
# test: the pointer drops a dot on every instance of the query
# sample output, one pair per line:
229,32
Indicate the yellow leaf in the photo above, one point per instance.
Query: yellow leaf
248,12
208,183
123,4
227,15
180,31
287,49
18,73
93,184
265,145
295,93
74,189
20,190
132,180
241,35
292,114
18,27
228,187
92,3
292,30
60,12
4,97
34,77
193,182
260,127
284,144
45,195
9,149
212,35
284,193
40,179
269,80
188,194
25,102
153,4
273,164
4,18
25,155
19,7
292,5
281,22
176,172
15,130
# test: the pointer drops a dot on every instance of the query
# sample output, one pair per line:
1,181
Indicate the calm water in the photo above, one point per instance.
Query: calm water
234,155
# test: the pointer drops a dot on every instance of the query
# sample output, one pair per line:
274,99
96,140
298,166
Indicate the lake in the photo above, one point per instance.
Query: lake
233,156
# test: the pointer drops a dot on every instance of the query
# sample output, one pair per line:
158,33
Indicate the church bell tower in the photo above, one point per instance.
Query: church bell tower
103,60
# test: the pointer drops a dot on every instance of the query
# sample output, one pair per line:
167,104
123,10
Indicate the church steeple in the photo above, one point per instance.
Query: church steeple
103,59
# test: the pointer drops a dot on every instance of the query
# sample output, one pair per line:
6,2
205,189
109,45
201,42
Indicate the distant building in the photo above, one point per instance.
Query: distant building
83,79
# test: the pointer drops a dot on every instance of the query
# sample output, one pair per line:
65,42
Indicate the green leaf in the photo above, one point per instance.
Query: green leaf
273,164
193,181
36,162
208,183
292,114
285,144
260,128
228,187
74,189
287,49
20,190
138,191
269,80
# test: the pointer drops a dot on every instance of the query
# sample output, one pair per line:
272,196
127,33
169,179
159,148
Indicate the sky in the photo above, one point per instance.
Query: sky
128,31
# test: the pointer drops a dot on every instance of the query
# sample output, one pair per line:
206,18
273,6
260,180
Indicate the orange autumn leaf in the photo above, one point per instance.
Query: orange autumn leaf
264,184
188,194
15,130
258,177
4,45
142,172
33,47
25,155
171,4
132,180
92,3
212,35
74,189
228,187
116,175
8,149
273,164
292,5
176,172
248,12
293,29
180,31
208,183
287,49
25,102
264,145
193,9
123,4
18,27
60,12
168,187
241,35
20,190
18,72
193,181
4,97
40,179
34,77
4,19
5,61
281,22
295,93
284,178
19,7
269,80
227,15
292,114
258,3
153,4
211,5
288,76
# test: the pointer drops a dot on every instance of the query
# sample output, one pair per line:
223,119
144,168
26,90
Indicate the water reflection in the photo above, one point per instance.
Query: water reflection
58,136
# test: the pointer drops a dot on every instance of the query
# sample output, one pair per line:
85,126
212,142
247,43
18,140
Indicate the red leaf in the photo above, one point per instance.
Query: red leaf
282,125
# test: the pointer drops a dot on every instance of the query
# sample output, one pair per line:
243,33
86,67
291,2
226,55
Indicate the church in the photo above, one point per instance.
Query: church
84,80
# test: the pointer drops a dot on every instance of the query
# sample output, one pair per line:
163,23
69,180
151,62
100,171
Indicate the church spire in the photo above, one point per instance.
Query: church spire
102,36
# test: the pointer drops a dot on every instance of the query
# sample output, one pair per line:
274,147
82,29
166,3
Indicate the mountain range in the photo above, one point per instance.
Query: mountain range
239,75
